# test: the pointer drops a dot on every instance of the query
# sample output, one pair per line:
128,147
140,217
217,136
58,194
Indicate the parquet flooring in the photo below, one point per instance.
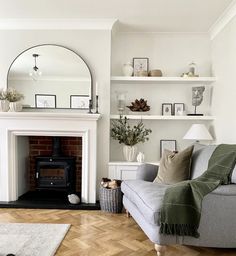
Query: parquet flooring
94,233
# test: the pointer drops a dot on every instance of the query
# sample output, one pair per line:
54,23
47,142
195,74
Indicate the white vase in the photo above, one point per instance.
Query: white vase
128,69
4,105
140,157
129,152
15,106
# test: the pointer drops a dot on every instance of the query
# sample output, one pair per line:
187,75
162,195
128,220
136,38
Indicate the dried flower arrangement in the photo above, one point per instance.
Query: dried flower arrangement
13,95
3,94
139,106
130,136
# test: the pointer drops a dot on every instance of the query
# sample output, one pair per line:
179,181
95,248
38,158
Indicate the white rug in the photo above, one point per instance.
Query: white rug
31,239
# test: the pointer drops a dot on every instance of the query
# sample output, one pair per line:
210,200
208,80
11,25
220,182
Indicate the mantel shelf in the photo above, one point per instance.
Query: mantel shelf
158,117
173,80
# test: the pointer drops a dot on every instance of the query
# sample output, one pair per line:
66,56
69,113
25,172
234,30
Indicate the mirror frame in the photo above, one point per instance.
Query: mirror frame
61,47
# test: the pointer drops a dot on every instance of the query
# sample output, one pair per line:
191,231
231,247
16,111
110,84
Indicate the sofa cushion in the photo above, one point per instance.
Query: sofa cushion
174,167
200,160
147,196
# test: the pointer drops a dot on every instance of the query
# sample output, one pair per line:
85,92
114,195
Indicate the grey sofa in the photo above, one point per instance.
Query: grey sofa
218,222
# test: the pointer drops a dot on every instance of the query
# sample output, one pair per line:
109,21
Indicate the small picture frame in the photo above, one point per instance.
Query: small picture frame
179,109
79,101
140,64
45,101
166,109
167,144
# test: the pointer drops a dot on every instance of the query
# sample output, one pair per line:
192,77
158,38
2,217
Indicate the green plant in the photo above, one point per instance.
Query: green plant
130,136
13,95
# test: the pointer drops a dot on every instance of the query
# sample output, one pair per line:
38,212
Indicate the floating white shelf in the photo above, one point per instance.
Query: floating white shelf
174,80
158,117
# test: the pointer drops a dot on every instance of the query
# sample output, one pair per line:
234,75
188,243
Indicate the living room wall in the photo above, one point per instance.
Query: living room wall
94,46
224,103
172,53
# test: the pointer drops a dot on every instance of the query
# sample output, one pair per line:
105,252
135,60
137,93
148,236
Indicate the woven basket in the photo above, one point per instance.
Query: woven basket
111,199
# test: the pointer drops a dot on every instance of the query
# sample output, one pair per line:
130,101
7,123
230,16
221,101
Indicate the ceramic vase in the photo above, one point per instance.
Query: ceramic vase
140,157
4,105
129,152
128,69
15,106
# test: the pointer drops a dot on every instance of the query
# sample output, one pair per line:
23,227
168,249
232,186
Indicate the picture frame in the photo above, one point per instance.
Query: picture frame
167,144
45,101
166,109
179,109
79,101
140,64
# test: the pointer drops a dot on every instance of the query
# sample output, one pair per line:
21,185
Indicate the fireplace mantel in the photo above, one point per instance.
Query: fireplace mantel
16,124
50,115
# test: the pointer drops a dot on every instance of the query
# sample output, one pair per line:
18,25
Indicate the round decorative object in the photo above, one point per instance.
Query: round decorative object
4,105
140,157
155,72
73,199
128,69
15,106
129,153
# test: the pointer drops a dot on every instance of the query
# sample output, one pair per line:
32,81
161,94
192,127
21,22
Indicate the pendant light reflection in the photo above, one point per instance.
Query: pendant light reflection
35,73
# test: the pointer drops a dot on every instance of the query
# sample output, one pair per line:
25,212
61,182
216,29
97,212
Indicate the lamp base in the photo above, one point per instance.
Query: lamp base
195,115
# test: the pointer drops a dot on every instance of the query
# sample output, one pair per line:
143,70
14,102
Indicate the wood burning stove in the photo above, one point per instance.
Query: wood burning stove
55,172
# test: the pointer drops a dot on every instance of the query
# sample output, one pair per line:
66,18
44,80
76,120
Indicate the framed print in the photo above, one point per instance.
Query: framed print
140,64
178,109
166,109
45,101
167,144
79,101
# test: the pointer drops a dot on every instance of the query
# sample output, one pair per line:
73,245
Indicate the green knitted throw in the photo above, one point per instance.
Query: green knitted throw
181,210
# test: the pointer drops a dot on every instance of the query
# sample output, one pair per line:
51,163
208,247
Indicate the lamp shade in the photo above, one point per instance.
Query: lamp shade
198,132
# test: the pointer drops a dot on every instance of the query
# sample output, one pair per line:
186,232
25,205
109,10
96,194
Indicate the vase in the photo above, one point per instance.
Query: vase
4,105
128,69
129,153
140,157
15,106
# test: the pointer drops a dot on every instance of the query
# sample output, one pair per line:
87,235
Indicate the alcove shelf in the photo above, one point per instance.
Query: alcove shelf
159,117
164,79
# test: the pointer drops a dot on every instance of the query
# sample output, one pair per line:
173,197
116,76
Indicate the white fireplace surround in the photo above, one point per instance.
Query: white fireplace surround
14,126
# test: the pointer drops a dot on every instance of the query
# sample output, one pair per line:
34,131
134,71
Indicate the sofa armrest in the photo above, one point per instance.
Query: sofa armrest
147,172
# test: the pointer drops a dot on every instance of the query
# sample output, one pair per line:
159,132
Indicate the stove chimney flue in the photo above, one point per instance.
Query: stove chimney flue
56,146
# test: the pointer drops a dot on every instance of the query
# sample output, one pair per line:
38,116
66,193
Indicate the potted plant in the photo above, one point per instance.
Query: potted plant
129,135
14,97
4,103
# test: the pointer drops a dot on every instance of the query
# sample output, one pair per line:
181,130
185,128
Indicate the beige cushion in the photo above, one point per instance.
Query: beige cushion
174,167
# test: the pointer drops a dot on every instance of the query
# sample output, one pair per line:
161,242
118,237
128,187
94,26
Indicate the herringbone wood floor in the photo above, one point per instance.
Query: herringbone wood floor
94,233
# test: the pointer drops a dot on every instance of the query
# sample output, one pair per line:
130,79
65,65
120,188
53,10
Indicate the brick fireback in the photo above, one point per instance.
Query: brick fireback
42,146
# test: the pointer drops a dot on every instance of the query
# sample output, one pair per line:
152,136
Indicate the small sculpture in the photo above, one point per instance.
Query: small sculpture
197,98
139,106
73,199
140,157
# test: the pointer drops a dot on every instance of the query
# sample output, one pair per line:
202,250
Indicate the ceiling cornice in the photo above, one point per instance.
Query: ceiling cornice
223,20
57,24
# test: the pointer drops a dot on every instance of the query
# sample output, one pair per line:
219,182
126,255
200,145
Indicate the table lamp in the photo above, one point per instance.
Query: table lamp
198,132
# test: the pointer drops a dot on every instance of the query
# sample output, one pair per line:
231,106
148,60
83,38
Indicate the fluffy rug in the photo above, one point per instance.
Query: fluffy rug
31,239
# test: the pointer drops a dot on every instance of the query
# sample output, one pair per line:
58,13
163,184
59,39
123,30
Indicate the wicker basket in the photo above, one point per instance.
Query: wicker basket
111,199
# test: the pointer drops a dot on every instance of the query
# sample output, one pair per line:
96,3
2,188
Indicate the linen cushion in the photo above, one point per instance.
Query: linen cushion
175,167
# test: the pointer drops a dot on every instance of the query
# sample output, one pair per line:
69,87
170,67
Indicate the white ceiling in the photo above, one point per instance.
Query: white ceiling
133,15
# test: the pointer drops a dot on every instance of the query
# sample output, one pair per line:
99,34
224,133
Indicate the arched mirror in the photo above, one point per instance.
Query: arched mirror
51,76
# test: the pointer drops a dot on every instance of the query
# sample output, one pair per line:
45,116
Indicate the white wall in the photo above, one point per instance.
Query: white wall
171,53
224,97
93,46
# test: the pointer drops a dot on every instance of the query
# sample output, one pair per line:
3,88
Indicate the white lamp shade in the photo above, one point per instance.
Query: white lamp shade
198,132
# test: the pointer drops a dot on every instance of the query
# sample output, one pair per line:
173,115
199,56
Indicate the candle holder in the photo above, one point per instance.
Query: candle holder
97,105
90,106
